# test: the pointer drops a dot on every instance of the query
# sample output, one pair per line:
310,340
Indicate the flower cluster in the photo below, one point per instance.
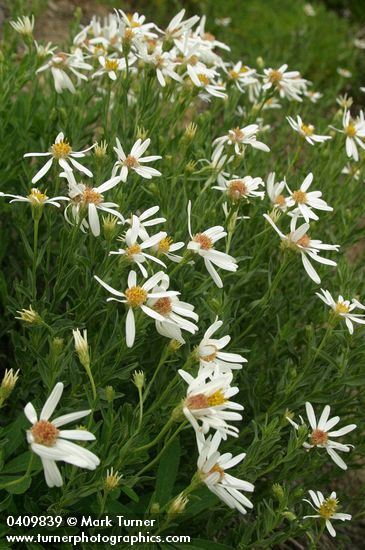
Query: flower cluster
116,193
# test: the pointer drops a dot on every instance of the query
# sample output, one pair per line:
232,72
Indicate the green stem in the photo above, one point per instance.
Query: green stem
35,256
16,481
165,447
163,358
158,437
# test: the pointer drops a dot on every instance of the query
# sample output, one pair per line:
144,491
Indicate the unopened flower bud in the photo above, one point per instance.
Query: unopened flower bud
190,166
8,383
109,224
190,132
81,347
109,393
24,25
155,508
112,479
289,515
178,505
141,133
278,491
138,379
100,149
174,345
57,345
30,316
260,62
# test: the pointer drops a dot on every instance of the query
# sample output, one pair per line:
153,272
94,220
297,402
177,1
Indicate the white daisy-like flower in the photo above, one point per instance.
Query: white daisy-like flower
359,43
305,200
241,137
163,63
35,198
134,161
135,251
299,241
309,10
344,308
207,405
218,162
44,51
326,509
146,221
241,75
353,170
52,444
322,433
203,244
223,21
345,73
204,78
271,103
61,151
86,201
167,247
241,188
110,66
212,468
178,27
24,25
313,96
354,131
136,296
174,312
61,65
289,83
306,131
211,356
275,193
135,21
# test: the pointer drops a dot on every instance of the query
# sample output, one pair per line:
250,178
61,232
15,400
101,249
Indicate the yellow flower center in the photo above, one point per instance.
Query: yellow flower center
136,296
202,401
36,196
299,196
217,398
233,74
133,22
163,306
319,437
307,129
61,150
237,189
111,64
203,79
341,307
45,433
275,76
130,162
350,130
205,242
328,507
133,249
236,134
164,245
280,200
91,196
